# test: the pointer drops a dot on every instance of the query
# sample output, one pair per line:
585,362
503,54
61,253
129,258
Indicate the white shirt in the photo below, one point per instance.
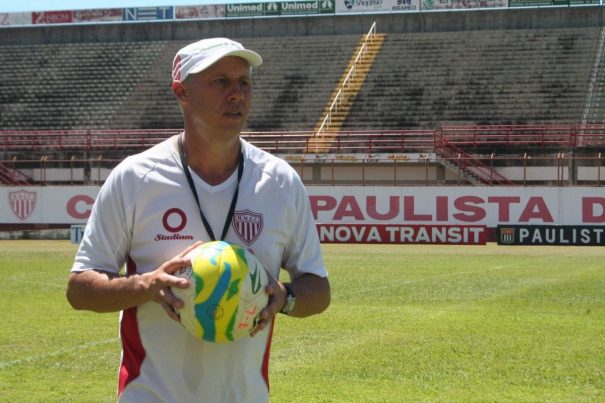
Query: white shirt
144,215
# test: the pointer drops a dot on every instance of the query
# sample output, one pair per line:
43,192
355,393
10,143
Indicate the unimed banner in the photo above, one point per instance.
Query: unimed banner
370,214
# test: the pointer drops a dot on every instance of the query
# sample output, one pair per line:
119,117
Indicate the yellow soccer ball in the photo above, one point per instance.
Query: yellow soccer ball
226,292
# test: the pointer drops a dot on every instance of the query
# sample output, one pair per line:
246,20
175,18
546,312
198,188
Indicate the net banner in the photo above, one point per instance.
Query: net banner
148,13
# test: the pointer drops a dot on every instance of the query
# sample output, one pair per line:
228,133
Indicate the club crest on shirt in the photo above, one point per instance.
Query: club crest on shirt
248,225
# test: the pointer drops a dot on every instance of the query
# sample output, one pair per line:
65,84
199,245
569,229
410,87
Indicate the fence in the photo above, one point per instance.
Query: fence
343,141
354,154
587,135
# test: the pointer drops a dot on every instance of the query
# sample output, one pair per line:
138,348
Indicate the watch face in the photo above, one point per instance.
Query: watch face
290,301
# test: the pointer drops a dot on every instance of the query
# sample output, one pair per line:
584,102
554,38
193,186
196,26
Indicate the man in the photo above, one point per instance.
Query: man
204,184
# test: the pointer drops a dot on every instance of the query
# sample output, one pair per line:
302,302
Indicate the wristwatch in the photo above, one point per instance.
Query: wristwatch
290,300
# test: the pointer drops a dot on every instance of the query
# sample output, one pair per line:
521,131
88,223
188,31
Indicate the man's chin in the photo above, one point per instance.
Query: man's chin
235,125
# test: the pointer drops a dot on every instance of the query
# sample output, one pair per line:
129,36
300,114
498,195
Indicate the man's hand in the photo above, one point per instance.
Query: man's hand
312,297
162,279
277,299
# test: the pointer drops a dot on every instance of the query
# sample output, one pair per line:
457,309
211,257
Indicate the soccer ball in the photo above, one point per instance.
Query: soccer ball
226,292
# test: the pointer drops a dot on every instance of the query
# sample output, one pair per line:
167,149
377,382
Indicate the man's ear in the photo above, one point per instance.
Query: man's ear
179,90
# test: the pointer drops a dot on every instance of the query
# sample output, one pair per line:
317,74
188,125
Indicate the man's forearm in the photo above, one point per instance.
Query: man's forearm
312,295
105,292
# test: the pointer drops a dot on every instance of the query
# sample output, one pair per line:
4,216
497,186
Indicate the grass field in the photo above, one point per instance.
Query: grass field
407,324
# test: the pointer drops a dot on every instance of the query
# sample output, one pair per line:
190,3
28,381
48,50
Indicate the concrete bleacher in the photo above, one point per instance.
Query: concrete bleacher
298,79
428,79
127,85
419,80
290,88
69,86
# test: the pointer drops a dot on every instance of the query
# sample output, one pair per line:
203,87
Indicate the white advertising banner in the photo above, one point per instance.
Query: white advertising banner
376,6
97,15
462,4
15,19
384,205
46,204
454,205
200,12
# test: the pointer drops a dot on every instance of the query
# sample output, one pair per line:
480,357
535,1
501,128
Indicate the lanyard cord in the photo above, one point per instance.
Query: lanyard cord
240,171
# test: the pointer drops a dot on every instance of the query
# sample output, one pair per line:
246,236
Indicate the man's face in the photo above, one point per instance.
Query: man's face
219,98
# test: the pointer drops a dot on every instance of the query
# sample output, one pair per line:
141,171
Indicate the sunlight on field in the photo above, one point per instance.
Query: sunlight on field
406,323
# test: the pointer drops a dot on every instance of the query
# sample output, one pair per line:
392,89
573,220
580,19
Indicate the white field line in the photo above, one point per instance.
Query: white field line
65,350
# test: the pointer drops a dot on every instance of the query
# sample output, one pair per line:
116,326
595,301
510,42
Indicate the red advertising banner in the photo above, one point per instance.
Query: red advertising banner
52,17
402,234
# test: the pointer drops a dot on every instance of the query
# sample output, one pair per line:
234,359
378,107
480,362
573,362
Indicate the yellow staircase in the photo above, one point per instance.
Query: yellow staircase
346,91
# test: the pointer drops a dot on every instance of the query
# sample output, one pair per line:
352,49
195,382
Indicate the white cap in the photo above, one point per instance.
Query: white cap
200,55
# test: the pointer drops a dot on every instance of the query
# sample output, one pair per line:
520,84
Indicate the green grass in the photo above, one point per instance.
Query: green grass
407,323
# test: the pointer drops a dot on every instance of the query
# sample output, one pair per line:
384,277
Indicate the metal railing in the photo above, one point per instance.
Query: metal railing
275,142
572,135
338,98
298,141
460,145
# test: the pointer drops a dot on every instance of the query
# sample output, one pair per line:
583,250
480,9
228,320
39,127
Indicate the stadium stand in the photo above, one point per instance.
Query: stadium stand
288,93
418,80
69,86
452,84
127,85
425,80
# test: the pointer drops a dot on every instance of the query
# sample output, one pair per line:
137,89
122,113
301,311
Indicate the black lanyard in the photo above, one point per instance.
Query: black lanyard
240,171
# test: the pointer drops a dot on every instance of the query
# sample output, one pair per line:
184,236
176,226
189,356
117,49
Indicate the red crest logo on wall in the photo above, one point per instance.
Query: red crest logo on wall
248,225
22,203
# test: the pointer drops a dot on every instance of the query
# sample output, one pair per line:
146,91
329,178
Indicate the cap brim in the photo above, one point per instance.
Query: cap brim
250,56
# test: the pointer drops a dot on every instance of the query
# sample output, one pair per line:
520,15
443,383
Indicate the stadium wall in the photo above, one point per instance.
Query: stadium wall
544,18
365,214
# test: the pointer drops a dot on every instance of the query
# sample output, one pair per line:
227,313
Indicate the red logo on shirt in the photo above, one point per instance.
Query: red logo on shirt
248,225
174,221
